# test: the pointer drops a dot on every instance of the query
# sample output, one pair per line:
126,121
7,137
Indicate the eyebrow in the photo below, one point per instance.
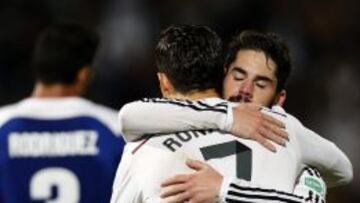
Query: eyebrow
238,69
258,77
264,78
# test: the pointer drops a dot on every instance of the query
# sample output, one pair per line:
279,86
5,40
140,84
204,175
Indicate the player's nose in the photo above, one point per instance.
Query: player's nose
246,89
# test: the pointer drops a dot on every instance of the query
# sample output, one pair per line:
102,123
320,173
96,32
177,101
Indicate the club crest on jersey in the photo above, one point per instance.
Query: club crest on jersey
314,184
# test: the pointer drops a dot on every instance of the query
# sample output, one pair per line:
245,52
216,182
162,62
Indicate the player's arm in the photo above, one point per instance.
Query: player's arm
238,190
207,185
333,164
151,116
311,186
157,115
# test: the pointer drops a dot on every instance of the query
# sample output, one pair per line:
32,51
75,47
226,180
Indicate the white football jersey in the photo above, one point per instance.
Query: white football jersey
244,162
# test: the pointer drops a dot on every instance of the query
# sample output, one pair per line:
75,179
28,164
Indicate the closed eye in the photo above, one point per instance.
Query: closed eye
239,77
238,73
262,83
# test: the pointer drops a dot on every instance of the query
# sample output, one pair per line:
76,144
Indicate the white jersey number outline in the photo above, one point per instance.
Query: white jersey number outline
65,181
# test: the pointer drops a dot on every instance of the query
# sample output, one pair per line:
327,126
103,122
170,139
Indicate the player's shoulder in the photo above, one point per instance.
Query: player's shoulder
59,108
9,111
280,113
142,168
148,153
152,164
106,115
100,109
8,108
276,111
291,123
198,103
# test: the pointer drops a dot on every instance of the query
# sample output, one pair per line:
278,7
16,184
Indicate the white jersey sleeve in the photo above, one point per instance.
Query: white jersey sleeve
239,190
334,165
311,185
156,115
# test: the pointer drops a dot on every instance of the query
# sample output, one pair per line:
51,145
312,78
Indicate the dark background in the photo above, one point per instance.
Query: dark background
323,37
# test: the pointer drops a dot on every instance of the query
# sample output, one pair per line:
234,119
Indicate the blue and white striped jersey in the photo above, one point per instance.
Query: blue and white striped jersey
59,150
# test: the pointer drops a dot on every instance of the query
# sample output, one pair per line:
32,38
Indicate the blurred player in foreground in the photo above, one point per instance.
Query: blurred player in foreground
189,69
56,146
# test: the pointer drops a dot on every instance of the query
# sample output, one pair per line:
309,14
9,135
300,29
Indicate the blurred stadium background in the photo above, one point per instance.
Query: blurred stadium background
323,37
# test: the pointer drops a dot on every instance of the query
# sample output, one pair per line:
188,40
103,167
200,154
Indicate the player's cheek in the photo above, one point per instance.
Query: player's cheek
230,88
262,96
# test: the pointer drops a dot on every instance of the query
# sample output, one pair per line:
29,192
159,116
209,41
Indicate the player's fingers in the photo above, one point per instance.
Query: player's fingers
268,134
264,142
180,197
195,164
277,131
176,179
269,146
282,133
247,108
273,121
171,190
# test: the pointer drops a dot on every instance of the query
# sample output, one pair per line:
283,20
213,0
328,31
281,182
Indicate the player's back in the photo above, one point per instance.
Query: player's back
62,150
160,157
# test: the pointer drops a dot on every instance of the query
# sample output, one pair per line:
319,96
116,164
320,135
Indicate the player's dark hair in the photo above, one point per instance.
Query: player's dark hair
61,51
272,46
191,57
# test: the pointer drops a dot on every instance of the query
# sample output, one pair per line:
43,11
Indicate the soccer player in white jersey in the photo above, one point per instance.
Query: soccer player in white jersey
187,62
56,146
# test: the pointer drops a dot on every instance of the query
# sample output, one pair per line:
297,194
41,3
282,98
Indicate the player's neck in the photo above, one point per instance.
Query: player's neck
194,95
42,90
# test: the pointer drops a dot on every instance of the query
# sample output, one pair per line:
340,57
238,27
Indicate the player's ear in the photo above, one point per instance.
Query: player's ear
165,85
83,79
280,98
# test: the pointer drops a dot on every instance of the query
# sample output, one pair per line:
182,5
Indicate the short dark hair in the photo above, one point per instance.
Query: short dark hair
61,51
191,57
269,43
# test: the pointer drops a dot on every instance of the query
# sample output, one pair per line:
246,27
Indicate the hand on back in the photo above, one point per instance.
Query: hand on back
251,123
